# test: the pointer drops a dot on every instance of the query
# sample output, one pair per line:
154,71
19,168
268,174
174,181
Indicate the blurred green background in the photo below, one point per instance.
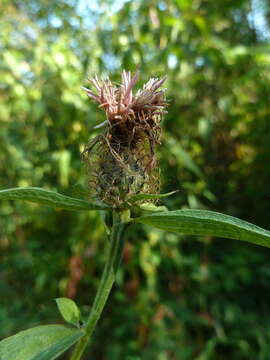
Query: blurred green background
177,297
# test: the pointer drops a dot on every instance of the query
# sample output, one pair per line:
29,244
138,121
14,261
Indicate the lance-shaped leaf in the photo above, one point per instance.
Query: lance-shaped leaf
44,342
49,198
207,223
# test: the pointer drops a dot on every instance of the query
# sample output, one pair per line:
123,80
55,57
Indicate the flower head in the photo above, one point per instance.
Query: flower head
119,102
121,161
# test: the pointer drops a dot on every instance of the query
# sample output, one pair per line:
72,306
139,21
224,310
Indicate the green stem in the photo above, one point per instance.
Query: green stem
106,283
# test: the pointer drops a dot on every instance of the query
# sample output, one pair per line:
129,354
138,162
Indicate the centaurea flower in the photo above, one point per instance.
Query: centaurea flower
121,161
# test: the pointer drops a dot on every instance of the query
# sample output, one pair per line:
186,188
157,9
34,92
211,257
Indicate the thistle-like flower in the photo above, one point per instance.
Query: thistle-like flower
121,161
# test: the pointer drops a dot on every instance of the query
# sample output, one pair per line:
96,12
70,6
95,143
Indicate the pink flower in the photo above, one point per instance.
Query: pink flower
120,104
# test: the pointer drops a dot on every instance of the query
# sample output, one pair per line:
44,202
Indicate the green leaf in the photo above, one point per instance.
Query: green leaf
149,207
80,191
49,198
139,197
182,156
44,342
69,310
207,223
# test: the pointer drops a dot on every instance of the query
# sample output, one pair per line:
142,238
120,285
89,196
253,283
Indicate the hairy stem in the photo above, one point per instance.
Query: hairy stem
106,282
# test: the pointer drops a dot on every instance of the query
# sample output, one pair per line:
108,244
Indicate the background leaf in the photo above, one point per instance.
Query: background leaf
45,342
49,198
207,223
69,310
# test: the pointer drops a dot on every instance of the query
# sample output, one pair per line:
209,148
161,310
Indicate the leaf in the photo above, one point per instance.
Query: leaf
49,198
44,342
149,207
140,197
69,310
80,191
182,156
207,223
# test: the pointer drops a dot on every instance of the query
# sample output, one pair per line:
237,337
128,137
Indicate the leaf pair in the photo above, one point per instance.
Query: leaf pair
189,222
49,341
45,342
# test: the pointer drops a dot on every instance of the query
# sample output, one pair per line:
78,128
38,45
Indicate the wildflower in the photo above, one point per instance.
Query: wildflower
121,161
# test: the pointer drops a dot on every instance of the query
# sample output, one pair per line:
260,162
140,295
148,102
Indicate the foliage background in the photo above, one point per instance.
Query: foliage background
177,297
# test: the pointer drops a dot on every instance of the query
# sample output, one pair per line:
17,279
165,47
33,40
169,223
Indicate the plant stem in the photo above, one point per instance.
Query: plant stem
106,282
